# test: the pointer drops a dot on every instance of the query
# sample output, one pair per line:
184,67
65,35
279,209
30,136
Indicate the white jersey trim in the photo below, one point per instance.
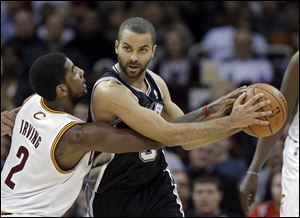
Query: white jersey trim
161,93
94,190
173,183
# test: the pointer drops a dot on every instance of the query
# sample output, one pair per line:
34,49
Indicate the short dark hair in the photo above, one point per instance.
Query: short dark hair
47,72
208,179
138,25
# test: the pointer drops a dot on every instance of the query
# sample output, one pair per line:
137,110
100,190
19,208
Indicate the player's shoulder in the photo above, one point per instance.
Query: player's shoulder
154,75
295,57
31,103
110,86
111,90
31,97
156,78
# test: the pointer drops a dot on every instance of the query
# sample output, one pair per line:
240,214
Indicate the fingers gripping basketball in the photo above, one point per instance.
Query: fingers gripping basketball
278,107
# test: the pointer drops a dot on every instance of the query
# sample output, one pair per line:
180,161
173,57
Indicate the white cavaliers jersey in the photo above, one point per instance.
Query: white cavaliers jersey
290,172
31,180
294,128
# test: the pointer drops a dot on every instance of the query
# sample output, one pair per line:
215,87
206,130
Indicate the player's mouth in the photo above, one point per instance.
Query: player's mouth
133,68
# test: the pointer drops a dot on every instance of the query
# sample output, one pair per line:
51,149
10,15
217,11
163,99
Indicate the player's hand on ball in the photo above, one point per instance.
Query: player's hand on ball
246,114
278,107
225,102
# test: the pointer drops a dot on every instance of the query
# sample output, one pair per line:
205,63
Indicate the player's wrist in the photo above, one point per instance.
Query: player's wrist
233,121
207,111
252,173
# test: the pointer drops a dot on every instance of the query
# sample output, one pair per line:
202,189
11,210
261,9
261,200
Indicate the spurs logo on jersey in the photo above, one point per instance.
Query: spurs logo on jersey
158,108
31,180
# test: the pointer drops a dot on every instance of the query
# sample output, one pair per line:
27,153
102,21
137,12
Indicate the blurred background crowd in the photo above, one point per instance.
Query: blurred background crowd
205,49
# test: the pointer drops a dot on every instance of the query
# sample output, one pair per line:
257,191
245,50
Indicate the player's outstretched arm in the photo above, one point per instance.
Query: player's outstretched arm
290,89
241,115
174,114
118,101
102,137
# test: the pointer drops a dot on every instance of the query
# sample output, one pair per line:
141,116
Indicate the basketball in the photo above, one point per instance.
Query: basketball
278,107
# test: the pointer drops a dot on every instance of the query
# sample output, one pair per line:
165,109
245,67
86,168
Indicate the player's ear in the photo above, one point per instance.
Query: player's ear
116,46
153,50
62,90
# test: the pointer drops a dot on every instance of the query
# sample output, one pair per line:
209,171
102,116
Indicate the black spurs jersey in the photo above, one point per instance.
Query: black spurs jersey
130,171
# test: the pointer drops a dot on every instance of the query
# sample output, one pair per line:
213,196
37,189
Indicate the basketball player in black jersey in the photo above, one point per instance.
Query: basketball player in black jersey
129,95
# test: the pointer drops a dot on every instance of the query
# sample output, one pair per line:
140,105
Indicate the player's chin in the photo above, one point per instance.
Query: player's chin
134,75
83,93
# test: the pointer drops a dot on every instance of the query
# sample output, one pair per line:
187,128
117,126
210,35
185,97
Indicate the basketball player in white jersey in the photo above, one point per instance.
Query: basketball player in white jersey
8,121
50,149
290,171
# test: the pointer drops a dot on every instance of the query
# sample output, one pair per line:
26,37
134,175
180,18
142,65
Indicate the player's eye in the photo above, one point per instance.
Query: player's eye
75,72
126,48
143,50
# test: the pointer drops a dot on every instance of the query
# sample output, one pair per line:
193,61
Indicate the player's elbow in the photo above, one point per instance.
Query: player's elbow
187,148
192,146
156,145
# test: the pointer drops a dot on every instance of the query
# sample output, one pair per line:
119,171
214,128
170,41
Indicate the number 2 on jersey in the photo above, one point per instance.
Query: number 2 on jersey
17,168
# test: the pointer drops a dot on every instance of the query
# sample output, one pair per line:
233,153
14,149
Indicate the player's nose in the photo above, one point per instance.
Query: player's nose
133,57
81,73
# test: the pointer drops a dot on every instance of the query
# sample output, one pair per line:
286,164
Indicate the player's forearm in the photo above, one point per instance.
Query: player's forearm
104,138
101,137
194,116
218,137
200,133
123,141
263,150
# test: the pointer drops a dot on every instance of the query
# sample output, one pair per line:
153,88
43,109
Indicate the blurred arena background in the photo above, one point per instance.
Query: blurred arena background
205,49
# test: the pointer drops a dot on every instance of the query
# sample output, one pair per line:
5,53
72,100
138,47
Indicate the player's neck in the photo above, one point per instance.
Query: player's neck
139,83
61,105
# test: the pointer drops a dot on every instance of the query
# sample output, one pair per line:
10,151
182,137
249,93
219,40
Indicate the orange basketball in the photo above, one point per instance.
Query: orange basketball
278,107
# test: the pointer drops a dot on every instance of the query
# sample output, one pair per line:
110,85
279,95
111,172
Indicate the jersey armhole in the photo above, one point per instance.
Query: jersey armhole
54,144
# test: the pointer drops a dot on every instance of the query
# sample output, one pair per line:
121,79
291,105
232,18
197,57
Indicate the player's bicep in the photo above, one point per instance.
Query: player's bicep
171,110
121,103
101,102
142,120
74,139
70,148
